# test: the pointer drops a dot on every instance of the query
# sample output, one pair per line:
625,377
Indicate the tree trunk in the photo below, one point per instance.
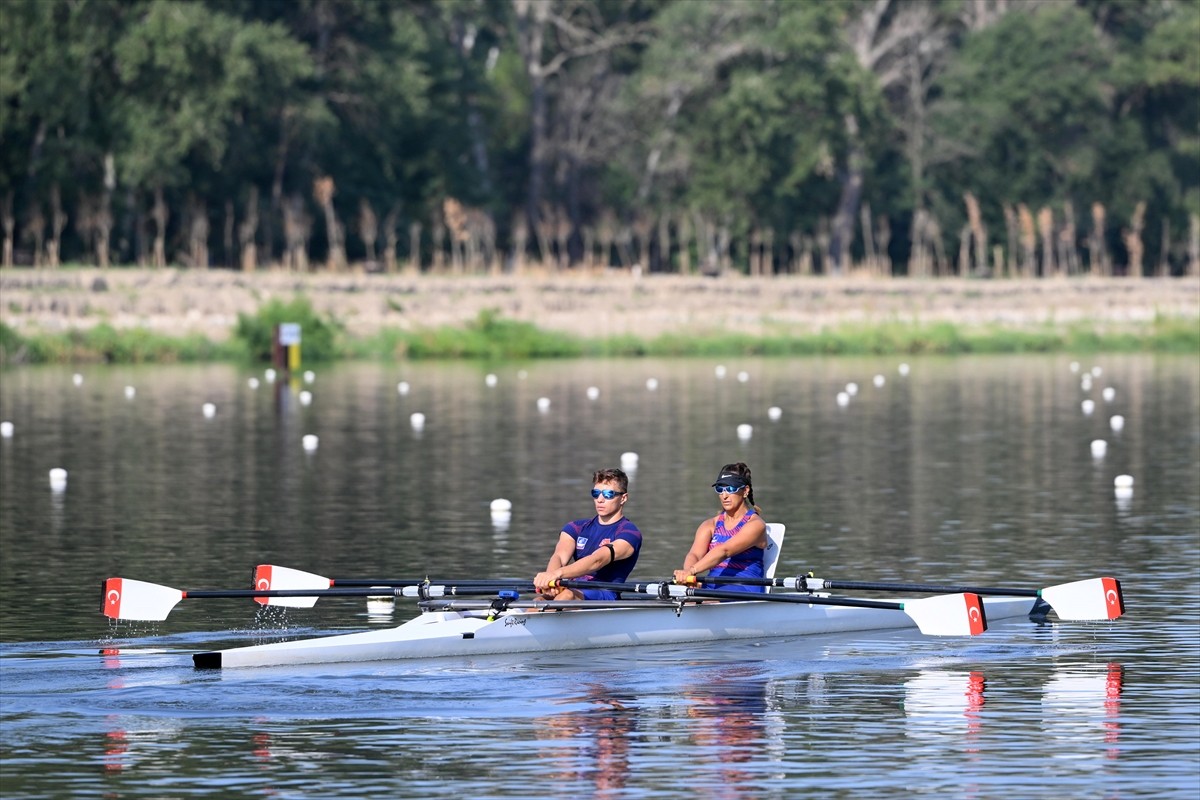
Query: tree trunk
10,224
842,234
247,232
160,214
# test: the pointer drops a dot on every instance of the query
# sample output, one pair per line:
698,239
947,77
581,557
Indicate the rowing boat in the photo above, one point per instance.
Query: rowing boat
475,628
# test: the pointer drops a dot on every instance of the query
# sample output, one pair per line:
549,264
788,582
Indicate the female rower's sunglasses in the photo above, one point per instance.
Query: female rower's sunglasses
725,488
609,494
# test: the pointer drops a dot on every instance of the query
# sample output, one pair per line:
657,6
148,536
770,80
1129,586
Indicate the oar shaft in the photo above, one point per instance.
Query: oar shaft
434,590
668,590
818,584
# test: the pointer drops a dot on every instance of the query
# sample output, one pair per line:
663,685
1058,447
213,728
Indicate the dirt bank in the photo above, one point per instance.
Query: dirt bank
208,302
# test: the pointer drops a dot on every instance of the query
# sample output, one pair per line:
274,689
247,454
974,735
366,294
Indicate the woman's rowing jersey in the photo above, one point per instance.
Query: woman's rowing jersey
746,564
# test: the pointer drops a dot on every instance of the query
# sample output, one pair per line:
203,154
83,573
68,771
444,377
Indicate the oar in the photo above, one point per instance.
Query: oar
128,599
957,614
1088,599
273,576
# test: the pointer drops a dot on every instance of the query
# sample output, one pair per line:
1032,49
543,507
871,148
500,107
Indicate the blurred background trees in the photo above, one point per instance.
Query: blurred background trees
881,137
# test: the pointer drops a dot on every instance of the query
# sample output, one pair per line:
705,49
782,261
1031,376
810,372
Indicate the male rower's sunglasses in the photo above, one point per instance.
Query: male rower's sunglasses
724,488
608,494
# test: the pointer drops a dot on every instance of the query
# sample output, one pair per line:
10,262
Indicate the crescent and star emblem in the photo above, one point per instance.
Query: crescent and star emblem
114,597
973,613
264,584
1111,597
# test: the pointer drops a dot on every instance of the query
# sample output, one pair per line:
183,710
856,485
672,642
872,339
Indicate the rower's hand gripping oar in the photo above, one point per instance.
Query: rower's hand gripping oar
958,614
128,599
1086,600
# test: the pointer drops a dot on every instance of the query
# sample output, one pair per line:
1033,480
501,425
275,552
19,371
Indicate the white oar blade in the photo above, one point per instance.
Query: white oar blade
948,614
1090,599
125,598
274,577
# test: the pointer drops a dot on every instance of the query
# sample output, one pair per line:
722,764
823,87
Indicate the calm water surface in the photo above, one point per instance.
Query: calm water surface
969,469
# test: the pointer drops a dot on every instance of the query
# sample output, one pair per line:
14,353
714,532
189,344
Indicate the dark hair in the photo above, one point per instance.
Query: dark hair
612,475
739,468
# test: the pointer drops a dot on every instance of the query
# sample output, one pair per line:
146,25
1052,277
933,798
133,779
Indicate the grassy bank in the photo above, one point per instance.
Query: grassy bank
490,337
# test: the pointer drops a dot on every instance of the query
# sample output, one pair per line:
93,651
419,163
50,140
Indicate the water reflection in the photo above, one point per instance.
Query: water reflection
946,704
1083,704
600,737
732,718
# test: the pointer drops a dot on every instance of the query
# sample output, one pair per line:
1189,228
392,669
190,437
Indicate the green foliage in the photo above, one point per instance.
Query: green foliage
318,336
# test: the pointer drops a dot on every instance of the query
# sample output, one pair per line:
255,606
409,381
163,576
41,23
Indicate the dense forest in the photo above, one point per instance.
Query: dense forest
885,137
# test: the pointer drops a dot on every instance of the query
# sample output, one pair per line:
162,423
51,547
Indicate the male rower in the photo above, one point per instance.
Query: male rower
603,548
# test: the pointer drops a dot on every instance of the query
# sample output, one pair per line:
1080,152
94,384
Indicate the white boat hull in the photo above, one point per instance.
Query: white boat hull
473,633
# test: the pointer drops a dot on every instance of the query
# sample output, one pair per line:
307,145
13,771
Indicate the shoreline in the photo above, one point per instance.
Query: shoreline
181,302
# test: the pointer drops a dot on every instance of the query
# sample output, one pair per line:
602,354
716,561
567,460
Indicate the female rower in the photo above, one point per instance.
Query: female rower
732,543
603,548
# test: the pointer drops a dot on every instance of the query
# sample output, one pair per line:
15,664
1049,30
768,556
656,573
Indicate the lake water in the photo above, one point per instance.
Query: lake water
974,470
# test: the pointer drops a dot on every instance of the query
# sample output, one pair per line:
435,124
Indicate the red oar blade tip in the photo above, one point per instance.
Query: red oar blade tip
274,577
128,599
1087,600
948,614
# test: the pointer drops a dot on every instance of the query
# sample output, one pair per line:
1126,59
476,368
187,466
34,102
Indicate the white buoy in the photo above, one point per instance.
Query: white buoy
629,460
1097,372
1108,394
1088,406
903,369
719,371
522,374
305,398
1074,366
743,376
1085,383
501,520
381,605
1099,448
58,479
593,392
745,431
269,375
1116,422
843,399
309,376
130,392
6,429
852,389
652,383
418,420
310,442
879,381
1123,495
1123,482
490,379
774,412
209,410
402,387
252,383
543,404
501,504
78,379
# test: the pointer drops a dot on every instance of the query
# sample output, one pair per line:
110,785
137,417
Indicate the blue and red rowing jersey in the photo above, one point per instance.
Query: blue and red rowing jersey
590,535
746,564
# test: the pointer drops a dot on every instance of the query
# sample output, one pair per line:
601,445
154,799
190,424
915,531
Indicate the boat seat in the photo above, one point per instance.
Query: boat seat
775,531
